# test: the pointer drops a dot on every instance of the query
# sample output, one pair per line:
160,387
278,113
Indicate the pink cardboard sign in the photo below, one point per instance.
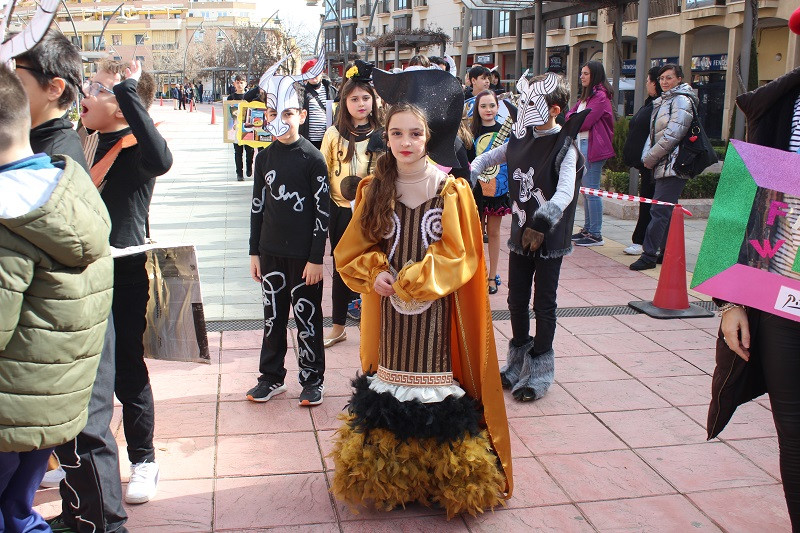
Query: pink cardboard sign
749,253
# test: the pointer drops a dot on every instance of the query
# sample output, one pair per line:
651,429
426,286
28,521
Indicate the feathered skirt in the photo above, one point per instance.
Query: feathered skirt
391,452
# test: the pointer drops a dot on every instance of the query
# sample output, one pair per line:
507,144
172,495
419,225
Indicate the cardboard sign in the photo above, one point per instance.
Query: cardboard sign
749,253
230,114
251,125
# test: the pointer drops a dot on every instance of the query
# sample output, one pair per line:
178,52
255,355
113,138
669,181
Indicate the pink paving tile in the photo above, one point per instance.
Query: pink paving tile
275,453
746,509
558,518
617,271
179,506
620,343
635,282
567,345
326,440
707,466
654,427
238,361
518,448
288,500
185,420
306,528
683,340
234,387
620,395
751,420
654,364
415,524
241,340
714,332
556,402
572,272
763,452
325,415
337,381
642,294
605,475
279,415
533,486
589,368
588,284
642,322
590,260
412,511
653,514
184,388
705,323
183,458
682,390
616,297
181,368
593,325
502,333
569,299
562,434
47,502
702,359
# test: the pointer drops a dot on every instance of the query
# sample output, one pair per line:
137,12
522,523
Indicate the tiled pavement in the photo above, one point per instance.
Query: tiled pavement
618,443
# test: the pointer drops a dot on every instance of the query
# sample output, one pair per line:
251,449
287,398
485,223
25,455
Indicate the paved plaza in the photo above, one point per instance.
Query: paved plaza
618,443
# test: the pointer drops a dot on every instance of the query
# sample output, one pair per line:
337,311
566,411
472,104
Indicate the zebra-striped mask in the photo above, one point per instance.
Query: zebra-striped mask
533,108
281,93
28,37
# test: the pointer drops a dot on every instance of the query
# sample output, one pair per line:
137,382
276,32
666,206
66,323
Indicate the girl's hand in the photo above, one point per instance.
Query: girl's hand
312,273
383,284
255,268
734,322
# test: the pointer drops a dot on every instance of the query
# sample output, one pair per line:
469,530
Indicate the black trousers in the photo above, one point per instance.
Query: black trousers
647,190
182,103
541,275
283,286
132,382
341,295
91,493
778,343
237,158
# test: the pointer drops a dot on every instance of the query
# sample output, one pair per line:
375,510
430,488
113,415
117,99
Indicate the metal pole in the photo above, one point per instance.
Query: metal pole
744,63
466,30
341,33
369,29
100,39
186,52
538,29
235,52
518,51
617,56
252,46
640,88
74,30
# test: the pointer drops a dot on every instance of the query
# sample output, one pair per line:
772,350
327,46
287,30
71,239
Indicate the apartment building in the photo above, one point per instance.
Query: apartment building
698,34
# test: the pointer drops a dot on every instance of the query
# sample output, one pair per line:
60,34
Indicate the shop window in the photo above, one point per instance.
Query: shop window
116,40
503,23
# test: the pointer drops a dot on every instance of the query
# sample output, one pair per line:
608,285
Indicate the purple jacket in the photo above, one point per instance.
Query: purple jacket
600,125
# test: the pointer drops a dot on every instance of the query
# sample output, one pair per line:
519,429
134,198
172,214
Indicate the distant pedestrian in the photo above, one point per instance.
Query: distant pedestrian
317,92
181,97
241,149
595,142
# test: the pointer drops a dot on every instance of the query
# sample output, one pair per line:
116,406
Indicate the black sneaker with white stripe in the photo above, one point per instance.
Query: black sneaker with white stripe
311,395
265,390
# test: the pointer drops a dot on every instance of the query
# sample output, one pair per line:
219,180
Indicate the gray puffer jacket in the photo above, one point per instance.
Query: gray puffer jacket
671,119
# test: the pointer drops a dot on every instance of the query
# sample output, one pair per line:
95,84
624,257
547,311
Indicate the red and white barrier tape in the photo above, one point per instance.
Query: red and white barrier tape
629,197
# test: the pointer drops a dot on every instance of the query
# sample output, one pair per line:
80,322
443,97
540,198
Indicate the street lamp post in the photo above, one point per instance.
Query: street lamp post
235,52
253,45
186,52
338,23
100,39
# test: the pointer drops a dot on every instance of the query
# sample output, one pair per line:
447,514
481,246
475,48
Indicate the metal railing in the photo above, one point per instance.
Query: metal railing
420,3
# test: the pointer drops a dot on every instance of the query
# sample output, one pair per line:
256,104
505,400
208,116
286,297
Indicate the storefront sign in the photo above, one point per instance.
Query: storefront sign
483,58
629,65
555,62
710,63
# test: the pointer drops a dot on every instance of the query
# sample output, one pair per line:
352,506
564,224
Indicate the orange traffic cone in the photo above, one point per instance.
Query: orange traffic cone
213,116
672,296
161,103
191,106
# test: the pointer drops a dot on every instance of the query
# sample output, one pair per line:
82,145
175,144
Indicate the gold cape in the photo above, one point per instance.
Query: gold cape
453,265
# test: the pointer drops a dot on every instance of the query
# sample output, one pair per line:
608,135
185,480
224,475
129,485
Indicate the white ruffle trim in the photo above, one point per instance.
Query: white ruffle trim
405,393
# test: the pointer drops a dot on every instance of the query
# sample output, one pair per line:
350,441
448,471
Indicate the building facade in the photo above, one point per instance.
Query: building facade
700,35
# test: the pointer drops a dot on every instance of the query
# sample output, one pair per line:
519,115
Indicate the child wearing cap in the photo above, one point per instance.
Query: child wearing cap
318,90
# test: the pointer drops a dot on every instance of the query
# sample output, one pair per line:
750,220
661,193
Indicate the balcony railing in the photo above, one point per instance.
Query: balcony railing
658,8
694,4
554,24
457,34
420,3
583,20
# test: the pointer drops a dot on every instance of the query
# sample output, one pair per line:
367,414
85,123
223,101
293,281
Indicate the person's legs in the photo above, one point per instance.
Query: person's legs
132,381
593,204
545,287
647,190
248,150
520,278
493,231
91,493
307,311
237,160
20,475
778,343
341,295
666,190
276,294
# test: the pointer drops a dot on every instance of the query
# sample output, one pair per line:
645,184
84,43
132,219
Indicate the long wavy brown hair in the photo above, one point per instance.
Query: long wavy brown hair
380,195
344,122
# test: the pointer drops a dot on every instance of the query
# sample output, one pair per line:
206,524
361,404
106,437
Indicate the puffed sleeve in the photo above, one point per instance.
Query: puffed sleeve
359,260
451,261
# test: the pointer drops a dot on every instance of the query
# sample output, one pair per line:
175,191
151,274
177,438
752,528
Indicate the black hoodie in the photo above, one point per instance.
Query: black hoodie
57,136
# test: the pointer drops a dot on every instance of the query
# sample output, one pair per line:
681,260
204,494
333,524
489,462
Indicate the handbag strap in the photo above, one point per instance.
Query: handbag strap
100,169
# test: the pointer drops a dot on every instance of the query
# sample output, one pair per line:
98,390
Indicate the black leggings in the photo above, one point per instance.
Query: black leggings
341,295
778,343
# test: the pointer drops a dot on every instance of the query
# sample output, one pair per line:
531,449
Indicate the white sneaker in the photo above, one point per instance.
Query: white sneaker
633,249
52,478
143,483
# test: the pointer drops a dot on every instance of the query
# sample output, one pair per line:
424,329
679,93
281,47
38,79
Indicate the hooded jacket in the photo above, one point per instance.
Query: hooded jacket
669,122
58,136
599,123
55,296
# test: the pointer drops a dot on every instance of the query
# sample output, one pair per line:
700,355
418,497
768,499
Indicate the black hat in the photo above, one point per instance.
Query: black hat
360,71
438,94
